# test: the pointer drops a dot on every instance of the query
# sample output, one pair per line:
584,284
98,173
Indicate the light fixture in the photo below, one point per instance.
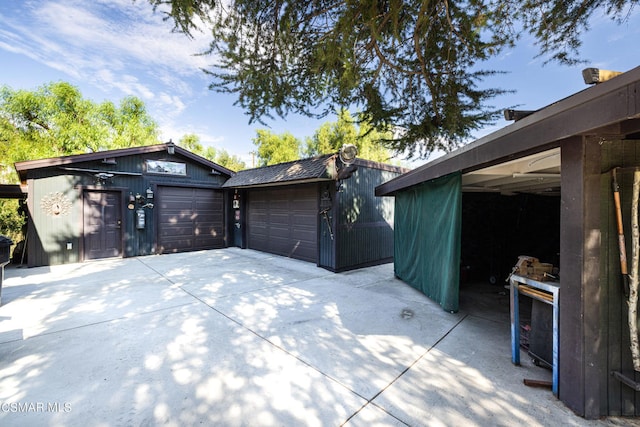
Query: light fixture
596,75
132,202
103,177
171,147
348,153
149,193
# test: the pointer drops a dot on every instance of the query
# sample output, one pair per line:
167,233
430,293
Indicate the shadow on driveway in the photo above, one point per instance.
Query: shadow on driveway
238,337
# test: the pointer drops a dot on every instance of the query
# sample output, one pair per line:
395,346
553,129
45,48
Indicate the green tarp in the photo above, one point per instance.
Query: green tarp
427,238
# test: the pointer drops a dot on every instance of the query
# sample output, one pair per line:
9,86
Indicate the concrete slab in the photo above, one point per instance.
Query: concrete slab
238,337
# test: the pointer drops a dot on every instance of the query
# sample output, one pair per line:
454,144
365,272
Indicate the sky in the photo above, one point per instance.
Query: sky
110,49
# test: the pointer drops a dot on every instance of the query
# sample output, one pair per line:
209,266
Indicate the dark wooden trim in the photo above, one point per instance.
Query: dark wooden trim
12,191
32,236
581,381
23,167
370,164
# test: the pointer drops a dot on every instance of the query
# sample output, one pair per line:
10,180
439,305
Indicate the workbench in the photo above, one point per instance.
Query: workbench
547,292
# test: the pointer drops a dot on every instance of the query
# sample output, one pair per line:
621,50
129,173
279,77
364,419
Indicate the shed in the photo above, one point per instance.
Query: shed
307,210
541,187
121,203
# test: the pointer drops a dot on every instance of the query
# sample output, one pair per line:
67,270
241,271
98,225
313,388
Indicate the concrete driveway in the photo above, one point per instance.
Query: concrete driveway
241,338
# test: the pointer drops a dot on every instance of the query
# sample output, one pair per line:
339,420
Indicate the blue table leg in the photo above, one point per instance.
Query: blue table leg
515,323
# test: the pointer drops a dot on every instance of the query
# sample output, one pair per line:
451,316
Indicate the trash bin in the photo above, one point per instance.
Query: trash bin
5,249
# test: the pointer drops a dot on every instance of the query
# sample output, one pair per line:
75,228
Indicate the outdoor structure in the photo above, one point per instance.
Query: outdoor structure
540,187
122,203
317,210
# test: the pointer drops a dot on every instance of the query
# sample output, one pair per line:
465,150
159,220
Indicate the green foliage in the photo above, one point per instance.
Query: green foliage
192,143
327,139
274,148
333,135
413,65
11,220
55,120
232,162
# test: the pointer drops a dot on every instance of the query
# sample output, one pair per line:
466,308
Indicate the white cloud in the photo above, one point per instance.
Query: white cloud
120,47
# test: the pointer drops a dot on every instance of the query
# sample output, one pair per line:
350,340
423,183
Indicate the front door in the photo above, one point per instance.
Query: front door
102,224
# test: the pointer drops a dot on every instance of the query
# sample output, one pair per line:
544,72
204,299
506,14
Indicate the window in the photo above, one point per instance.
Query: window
164,167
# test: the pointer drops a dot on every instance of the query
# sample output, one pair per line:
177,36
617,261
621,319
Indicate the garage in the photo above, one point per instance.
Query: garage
306,209
284,221
189,219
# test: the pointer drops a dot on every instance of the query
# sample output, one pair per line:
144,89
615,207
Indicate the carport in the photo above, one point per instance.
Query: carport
540,187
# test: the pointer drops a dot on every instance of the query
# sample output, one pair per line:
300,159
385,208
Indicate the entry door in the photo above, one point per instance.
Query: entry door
102,224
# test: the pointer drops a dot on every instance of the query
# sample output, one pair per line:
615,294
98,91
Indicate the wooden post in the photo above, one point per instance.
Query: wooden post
633,277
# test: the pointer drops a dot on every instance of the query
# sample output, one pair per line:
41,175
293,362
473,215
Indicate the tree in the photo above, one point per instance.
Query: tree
192,143
333,135
232,162
55,120
273,148
416,65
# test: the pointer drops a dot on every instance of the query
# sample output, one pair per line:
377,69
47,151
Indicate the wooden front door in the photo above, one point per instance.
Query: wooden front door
102,215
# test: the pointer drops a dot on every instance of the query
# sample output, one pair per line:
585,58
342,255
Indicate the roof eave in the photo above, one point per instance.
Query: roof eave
23,167
604,105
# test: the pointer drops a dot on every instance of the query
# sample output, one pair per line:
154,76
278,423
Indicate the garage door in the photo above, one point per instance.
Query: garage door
284,221
189,219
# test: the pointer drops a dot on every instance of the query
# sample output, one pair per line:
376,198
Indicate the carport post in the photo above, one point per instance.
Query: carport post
582,378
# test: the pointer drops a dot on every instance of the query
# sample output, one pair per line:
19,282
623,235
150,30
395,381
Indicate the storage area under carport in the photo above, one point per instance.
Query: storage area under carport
511,219
510,210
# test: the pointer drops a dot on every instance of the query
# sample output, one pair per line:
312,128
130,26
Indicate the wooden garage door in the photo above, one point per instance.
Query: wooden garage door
284,221
189,219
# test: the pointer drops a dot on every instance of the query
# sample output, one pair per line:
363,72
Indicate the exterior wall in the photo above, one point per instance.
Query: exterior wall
327,226
48,235
364,222
618,399
357,230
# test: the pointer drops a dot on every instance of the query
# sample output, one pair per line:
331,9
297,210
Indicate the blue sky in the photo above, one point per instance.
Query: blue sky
113,48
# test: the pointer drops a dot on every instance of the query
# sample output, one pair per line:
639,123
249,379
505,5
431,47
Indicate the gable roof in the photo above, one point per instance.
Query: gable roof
315,169
610,109
298,171
23,167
